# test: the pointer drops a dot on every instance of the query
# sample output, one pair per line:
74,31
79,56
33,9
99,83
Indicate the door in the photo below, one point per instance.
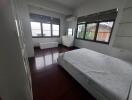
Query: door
18,22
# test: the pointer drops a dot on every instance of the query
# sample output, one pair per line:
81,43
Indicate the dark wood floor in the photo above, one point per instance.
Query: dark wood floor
50,81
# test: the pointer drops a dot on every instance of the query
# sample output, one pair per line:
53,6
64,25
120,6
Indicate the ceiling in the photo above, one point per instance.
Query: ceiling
72,4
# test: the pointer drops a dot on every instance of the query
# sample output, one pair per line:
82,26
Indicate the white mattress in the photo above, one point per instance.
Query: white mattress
108,75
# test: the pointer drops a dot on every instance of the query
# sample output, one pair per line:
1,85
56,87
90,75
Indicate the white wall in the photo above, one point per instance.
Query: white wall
95,6
41,11
12,72
123,37
50,6
23,14
71,23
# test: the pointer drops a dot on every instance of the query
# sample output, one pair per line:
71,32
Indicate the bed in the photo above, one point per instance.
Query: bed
105,77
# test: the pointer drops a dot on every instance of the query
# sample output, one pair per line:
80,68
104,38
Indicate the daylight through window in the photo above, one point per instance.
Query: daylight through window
97,27
44,26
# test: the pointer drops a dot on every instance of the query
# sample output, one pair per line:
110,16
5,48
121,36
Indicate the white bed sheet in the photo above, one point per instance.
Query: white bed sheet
110,76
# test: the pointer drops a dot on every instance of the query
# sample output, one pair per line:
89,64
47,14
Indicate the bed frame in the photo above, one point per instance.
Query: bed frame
80,77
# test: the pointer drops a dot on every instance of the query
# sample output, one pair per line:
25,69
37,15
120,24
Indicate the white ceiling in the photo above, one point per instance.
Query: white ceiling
69,3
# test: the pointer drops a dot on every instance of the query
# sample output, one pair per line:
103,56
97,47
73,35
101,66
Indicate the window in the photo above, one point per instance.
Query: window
44,26
97,27
36,29
56,29
80,31
90,31
46,30
104,31
70,32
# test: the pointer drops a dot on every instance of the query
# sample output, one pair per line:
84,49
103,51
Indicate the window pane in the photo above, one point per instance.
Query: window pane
46,29
70,31
80,32
55,29
47,33
55,33
90,31
36,29
104,31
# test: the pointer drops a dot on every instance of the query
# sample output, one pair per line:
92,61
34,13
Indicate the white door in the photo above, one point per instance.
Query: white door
23,47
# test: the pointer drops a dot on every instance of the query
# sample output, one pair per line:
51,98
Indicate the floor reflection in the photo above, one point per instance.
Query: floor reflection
39,61
55,56
50,81
46,60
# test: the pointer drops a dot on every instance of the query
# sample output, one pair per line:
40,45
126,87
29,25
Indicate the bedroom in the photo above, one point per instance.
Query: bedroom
66,49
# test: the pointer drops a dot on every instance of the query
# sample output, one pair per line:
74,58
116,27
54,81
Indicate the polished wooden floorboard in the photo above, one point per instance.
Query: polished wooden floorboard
50,81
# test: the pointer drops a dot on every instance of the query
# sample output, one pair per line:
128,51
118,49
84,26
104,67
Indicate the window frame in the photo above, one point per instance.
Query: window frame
41,23
96,32
110,31
42,36
43,30
40,29
52,30
84,31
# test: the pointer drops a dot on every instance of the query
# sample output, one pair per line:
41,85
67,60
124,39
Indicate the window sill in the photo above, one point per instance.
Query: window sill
47,37
93,41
